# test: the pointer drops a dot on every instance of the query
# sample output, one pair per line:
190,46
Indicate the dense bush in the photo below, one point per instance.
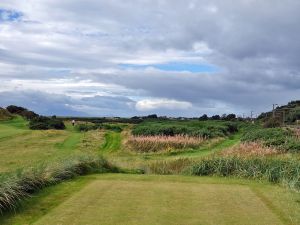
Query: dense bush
283,139
90,126
272,123
46,123
84,127
207,129
5,114
29,115
18,186
15,109
286,172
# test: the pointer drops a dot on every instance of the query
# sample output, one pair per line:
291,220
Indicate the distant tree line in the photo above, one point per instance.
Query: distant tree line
229,117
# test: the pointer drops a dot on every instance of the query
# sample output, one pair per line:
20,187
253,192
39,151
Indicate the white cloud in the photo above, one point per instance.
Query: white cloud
73,48
153,104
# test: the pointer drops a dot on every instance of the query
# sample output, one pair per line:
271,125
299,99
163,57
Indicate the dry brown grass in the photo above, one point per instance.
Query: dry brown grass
250,149
297,133
166,143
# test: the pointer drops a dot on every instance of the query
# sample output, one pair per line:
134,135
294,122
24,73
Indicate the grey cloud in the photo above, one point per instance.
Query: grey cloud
255,44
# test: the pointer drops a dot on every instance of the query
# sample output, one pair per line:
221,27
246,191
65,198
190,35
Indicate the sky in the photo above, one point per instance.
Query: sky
139,57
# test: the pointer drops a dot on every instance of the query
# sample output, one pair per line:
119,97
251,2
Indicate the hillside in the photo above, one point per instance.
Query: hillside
288,113
4,114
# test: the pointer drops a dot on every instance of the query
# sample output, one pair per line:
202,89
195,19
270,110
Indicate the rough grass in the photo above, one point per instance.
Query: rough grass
206,129
15,187
164,200
280,138
21,147
159,143
250,149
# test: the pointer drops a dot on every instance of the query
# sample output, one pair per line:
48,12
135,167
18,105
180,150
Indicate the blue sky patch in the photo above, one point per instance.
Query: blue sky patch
9,15
176,67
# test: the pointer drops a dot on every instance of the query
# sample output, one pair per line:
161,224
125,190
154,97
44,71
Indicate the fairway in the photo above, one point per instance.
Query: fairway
113,199
22,147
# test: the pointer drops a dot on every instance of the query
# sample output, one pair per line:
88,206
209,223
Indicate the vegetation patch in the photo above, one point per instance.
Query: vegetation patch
205,129
5,114
165,143
46,123
17,186
286,172
250,149
84,127
283,139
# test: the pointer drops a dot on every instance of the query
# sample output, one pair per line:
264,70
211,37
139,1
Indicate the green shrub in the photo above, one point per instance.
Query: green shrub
208,129
272,123
86,127
280,138
46,123
107,126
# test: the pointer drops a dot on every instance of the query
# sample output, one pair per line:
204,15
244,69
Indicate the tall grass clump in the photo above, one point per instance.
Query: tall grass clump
167,167
250,149
15,187
283,139
286,172
159,143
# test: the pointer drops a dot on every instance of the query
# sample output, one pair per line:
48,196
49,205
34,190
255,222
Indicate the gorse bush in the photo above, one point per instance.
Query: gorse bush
205,129
282,139
46,123
286,172
5,114
29,115
18,186
272,123
91,126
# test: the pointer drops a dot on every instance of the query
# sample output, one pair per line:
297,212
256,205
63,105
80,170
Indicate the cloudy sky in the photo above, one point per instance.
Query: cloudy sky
137,57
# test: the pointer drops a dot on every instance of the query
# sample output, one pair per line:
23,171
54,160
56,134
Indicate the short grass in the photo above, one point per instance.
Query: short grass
21,147
140,199
112,141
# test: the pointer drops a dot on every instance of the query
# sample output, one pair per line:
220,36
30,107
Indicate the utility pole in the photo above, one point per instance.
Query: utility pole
274,105
251,114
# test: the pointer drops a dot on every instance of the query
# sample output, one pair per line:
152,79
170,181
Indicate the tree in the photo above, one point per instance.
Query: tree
215,117
230,117
152,116
203,117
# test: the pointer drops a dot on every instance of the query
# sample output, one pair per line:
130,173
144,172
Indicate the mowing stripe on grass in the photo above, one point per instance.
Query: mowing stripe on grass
159,201
112,141
70,142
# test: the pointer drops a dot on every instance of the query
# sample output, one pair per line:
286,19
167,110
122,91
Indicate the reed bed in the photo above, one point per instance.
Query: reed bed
285,172
250,149
18,186
167,167
297,133
166,143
